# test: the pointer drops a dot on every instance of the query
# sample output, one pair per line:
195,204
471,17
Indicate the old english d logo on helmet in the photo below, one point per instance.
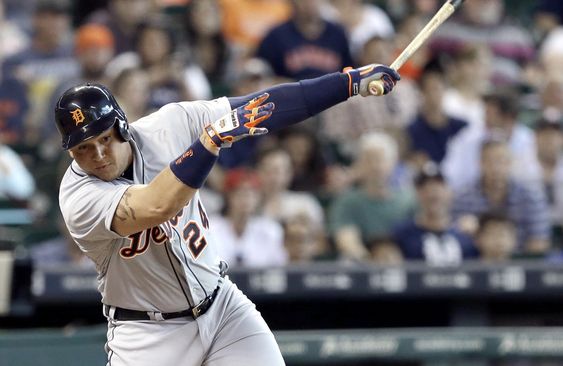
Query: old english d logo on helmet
77,116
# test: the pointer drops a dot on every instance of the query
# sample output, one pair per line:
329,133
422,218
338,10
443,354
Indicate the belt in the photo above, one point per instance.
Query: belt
194,311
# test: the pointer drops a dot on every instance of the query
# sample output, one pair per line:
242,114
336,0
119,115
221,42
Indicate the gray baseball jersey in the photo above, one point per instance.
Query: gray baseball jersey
166,268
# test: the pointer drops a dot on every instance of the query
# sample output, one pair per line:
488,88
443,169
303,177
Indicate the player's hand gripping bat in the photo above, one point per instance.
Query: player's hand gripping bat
376,87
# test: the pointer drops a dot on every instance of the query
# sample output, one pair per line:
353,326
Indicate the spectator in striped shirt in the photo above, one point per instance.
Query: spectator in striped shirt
525,205
461,163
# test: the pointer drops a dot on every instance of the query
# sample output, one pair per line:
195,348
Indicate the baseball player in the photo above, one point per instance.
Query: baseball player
130,200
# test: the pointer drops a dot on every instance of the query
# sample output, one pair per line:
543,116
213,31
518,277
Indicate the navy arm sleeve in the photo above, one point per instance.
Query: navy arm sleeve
298,101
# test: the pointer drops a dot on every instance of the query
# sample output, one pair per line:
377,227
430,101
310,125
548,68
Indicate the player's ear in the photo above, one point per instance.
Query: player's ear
71,154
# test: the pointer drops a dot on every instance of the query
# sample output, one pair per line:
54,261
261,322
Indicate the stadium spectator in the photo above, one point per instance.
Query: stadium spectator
16,182
430,132
123,17
48,59
303,241
244,35
461,164
485,22
279,202
14,108
209,48
308,163
384,251
548,15
93,47
12,37
17,187
307,45
549,141
49,54
391,113
131,89
372,209
362,21
408,28
171,78
468,73
496,237
246,238
432,236
495,189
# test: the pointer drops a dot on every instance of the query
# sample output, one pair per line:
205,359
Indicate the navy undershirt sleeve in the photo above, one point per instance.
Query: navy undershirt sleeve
298,101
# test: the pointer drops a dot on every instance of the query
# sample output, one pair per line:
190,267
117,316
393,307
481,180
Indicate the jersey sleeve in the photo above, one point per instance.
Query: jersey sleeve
88,205
186,120
178,125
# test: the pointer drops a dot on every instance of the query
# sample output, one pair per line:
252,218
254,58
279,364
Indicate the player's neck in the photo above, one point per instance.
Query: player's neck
128,173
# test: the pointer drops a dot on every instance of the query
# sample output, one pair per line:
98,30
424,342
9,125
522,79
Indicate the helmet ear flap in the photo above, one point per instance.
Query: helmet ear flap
123,129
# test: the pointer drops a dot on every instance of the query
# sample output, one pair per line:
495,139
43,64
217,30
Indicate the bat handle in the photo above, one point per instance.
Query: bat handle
375,87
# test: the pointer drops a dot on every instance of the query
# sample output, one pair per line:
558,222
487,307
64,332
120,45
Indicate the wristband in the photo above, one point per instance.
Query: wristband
194,165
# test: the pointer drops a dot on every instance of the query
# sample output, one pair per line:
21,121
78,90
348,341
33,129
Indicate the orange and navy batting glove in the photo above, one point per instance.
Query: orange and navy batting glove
241,122
360,78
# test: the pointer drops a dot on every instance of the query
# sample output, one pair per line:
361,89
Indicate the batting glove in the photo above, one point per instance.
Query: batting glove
360,78
241,122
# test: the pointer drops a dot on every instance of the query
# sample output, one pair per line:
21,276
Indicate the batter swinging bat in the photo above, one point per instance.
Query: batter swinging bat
376,86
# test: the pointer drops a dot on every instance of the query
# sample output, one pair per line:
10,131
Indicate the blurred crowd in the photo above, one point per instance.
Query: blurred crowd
463,160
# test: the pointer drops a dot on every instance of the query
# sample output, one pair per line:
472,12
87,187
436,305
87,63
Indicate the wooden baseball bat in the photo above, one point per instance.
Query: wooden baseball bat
376,86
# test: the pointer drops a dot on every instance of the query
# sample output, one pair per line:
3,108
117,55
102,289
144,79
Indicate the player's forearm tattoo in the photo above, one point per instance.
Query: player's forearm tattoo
125,211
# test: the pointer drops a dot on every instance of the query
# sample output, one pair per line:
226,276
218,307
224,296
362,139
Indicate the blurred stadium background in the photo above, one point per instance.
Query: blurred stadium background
420,228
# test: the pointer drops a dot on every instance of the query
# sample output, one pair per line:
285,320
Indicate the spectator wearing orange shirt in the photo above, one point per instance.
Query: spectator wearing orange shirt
244,32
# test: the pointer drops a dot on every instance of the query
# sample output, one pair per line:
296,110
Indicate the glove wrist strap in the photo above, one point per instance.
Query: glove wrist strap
213,136
354,80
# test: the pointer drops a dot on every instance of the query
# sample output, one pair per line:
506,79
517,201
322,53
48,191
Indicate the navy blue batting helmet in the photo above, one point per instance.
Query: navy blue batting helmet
85,111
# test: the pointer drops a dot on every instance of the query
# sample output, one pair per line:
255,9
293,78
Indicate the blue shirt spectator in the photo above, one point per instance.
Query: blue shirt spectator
14,106
432,236
433,140
430,132
306,46
50,55
448,247
32,64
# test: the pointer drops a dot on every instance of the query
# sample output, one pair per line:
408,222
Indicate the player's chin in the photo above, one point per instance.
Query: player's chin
108,175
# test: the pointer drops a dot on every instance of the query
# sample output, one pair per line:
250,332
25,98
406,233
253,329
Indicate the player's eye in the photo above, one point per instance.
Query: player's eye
106,139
